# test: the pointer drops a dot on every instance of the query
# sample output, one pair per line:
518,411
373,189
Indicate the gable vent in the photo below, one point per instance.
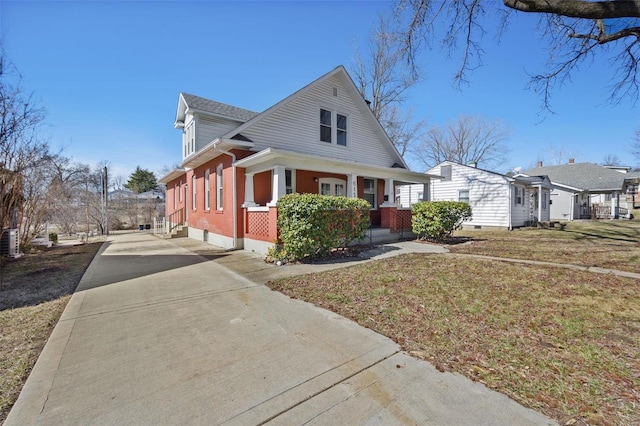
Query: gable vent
335,91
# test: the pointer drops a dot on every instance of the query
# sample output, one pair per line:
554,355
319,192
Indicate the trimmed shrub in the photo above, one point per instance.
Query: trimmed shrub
438,219
311,225
53,237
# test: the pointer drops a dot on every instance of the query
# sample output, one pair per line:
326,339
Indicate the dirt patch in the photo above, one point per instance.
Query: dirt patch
34,290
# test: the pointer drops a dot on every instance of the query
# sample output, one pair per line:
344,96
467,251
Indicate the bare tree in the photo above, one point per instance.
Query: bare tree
384,78
555,155
635,145
577,32
468,139
611,160
24,155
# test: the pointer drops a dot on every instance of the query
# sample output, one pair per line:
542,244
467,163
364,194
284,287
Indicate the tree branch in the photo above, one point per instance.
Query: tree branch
579,8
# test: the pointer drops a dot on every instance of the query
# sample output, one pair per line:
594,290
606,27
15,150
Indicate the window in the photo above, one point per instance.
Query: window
207,190
325,125
463,196
332,186
518,195
341,130
420,195
330,132
219,192
180,185
189,139
176,189
544,200
369,191
445,172
288,179
194,193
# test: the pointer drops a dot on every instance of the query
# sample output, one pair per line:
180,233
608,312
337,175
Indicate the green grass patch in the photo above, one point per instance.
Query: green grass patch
563,342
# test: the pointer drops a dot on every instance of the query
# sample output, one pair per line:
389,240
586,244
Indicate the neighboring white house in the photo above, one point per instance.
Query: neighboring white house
496,200
586,190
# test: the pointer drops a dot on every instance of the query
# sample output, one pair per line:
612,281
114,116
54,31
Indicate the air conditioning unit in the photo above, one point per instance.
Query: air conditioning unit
10,243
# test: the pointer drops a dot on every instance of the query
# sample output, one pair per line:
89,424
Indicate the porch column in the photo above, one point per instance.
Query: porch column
248,191
278,185
540,204
426,192
388,192
615,197
352,186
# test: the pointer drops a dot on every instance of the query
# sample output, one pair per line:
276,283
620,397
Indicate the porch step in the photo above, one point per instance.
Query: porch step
377,236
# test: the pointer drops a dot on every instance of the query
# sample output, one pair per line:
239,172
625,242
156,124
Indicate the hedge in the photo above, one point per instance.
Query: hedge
438,219
312,225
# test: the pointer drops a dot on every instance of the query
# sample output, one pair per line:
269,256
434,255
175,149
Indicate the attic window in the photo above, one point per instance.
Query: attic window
330,132
335,91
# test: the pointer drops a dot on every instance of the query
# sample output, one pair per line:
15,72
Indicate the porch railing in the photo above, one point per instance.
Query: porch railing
175,219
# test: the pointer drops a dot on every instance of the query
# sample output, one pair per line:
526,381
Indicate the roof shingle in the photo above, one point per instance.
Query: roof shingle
218,108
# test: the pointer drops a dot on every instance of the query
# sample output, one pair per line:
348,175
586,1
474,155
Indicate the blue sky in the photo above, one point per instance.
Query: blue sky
109,74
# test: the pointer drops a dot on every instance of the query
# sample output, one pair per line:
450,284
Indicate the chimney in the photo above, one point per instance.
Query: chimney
571,160
539,164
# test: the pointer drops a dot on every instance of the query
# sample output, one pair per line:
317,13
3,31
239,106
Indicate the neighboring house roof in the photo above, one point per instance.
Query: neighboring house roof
207,106
587,176
528,180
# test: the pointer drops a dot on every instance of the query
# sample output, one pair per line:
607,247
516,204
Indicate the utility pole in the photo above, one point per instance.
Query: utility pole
105,200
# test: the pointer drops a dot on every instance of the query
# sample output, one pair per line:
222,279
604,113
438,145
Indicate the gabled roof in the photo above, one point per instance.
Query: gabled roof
194,103
356,96
586,176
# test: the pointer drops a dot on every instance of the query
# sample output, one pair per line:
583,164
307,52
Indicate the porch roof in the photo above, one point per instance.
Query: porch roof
172,175
271,157
213,149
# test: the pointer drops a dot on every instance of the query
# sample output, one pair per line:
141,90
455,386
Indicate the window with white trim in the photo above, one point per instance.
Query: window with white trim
189,139
194,193
518,195
176,189
463,195
445,172
334,127
369,192
207,190
219,192
332,186
289,178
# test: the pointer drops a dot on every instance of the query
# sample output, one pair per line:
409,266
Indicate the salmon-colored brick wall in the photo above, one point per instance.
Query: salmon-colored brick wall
175,189
305,183
262,188
214,220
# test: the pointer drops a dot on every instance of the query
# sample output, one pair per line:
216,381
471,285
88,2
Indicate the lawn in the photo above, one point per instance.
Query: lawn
34,290
563,342
605,244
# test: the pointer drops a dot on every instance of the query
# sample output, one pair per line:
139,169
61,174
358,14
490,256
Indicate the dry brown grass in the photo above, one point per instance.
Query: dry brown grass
34,290
605,244
563,342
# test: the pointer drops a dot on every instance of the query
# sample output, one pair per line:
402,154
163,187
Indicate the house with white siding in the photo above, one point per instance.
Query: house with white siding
587,190
236,164
497,200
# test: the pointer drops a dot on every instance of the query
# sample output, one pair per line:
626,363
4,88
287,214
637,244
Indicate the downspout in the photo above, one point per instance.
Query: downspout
235,196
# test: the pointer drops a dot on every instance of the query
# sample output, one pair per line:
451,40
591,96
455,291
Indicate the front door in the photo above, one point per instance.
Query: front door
332,186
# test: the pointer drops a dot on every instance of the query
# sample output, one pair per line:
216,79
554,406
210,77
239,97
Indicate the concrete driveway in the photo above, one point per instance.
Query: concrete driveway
158,334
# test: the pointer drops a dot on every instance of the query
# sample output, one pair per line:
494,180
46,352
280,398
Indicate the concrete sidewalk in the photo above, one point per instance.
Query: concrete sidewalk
157,333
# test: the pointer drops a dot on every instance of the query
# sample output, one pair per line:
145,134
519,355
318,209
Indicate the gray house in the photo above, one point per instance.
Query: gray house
587,190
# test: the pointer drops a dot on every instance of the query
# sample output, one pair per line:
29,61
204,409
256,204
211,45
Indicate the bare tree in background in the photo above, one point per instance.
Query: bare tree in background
577,32
384,78
23,153
468,139
635,145
611,160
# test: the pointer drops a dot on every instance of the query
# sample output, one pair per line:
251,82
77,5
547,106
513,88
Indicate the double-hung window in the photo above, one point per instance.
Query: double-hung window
518,195
219,202
333,127
194,193
207,190
463,196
